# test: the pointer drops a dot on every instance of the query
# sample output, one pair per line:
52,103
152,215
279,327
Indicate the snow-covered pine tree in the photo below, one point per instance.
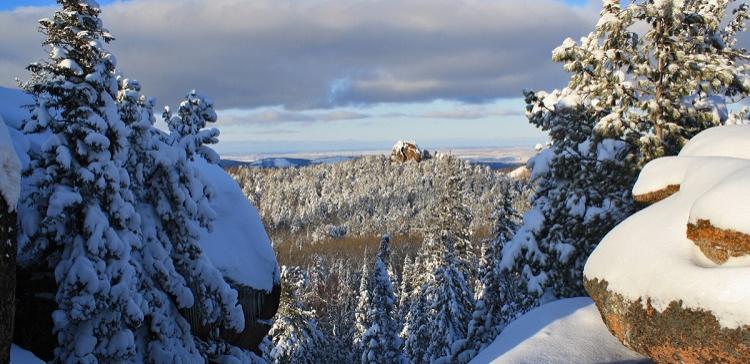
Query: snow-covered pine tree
78,208
449,297
416,334
361,318
381,342
450,218
295,336
649,77
188,126
451,303
180,197
166,335
341,307
407,287
496,305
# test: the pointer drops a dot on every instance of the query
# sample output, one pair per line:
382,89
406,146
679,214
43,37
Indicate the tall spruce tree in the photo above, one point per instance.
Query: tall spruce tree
361,318
407,286
416,334
79,211
442,309
496,305
116,207
381,342
173,203
295,335
166,335
648,78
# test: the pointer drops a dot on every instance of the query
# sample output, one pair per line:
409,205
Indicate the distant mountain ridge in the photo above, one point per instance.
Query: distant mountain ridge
286,162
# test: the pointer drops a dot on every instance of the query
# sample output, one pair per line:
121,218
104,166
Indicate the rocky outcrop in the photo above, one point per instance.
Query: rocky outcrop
671,282
36,289
405,151
258,306
674,335
8,243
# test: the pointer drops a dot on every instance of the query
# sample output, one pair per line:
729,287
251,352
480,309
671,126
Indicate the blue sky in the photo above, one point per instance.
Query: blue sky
291,75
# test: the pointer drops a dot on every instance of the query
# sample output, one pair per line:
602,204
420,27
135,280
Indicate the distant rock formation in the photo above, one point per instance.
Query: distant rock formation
671,281
520,173
404,151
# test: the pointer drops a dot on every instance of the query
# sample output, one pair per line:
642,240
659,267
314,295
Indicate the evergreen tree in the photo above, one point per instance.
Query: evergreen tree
451,302
295,335
79,211
381,343
181,205
116,208
188,127
361,317
442,310
166,335
407,287
495,306
648,78
416,332
451,219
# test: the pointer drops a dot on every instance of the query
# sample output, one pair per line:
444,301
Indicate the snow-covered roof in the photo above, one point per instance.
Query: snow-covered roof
649,254
564,331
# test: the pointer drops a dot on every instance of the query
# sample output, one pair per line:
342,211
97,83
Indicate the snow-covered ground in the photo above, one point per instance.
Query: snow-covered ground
564,331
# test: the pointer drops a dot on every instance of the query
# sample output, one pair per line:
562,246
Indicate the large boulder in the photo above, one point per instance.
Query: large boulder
10,184
671,282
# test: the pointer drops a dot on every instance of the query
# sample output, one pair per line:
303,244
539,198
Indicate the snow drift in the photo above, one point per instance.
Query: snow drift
564,331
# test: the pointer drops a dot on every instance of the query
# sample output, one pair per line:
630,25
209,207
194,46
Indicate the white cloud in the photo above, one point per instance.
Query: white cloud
324,53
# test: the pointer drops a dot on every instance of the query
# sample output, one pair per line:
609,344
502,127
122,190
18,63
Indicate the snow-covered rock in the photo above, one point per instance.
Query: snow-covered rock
664,295
520,173
238,244
406,150
10,168
726,141
564,331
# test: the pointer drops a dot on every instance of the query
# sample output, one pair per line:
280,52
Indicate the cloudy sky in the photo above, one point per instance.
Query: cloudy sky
302,75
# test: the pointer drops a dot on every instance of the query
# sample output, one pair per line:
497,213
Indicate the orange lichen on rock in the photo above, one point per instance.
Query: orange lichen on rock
656,196
718,244
675,335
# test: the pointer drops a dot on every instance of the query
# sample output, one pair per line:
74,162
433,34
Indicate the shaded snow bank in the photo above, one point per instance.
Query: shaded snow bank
564,331
21,356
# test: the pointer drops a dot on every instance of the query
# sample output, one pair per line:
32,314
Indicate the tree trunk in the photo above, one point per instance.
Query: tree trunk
8,242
